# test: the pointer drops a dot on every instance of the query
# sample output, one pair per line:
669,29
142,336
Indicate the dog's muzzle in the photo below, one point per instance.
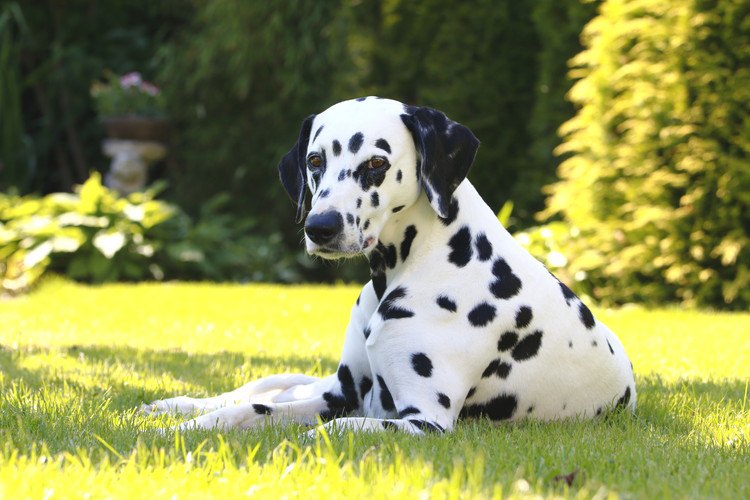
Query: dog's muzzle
322,229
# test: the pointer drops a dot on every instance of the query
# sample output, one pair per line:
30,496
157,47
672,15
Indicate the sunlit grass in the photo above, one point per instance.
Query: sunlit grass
77,360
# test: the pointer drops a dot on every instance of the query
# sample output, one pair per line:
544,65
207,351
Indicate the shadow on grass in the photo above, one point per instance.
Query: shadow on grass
208,374
213,373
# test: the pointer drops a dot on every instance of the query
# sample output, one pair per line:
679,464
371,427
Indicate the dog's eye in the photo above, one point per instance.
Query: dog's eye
315,161
376,162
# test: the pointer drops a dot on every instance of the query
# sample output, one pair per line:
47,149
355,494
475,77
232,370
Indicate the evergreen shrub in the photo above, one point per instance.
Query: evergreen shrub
657,176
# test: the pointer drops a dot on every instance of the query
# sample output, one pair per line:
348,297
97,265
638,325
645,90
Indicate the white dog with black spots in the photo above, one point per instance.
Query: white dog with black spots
458,319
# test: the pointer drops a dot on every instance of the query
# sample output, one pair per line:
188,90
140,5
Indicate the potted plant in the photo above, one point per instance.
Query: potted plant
131,108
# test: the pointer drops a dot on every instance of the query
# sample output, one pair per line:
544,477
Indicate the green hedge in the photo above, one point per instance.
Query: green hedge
658,175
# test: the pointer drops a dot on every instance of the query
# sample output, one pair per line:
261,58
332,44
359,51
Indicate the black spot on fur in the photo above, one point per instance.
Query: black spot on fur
383,144
389,252
364,386
529,409
528,346
460,244
421,364
452,212
387,424
386,400
570,344
599,411
399,176
498,368
593,343
359,202
482,314
355,142
377,270
409,234
425,426
366,332
342,175
398,209
611,351
324,193
317,133
507,284
262,409
507,341
471,392
379,285
444,400
501,407
366,225
336,149
350,219
586,317
389,310
315,176
484,247
336,405
357,221
491,368
446,303
567,292
409,410
348,388
523,317
624,400
360,99
374,199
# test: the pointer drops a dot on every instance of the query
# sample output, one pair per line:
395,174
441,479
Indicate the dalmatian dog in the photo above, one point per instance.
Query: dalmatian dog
457,321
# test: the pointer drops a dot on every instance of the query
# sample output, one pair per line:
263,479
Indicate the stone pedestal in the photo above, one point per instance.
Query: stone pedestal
128,172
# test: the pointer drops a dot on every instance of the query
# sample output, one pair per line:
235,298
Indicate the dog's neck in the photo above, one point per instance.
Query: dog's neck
413,230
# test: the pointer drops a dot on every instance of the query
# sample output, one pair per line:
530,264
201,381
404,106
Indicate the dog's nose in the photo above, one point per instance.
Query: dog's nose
322,228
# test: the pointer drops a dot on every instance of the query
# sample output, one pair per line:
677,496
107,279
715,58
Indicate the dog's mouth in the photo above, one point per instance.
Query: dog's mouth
335,251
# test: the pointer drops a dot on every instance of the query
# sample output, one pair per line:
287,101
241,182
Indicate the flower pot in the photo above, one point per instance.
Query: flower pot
137,128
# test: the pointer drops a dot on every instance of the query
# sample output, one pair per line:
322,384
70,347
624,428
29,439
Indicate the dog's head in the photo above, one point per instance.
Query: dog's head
367,159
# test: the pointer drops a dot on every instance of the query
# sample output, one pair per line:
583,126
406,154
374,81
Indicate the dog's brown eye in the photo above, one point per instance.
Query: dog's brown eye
315,161
376,162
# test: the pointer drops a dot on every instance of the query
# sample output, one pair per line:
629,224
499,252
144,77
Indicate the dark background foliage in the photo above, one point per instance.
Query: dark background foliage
652,185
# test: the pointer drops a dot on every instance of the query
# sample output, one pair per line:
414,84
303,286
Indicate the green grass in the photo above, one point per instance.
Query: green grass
77,360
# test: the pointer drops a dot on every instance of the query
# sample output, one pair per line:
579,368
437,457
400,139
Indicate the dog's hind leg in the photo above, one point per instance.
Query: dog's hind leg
258,391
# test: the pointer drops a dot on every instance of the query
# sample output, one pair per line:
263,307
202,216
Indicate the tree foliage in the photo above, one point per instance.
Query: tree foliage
657,179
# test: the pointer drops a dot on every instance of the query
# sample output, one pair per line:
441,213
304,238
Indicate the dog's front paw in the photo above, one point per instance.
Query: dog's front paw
179,405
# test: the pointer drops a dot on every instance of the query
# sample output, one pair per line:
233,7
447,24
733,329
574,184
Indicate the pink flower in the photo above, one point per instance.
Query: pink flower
150,88
131,80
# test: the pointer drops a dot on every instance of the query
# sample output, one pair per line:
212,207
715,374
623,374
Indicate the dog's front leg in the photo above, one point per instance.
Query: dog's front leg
259,391
248,415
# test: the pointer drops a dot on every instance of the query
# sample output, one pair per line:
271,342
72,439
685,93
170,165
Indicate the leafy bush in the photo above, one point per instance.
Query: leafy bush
658,175
96,236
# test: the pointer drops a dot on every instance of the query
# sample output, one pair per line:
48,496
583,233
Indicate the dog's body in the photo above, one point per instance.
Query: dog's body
458,319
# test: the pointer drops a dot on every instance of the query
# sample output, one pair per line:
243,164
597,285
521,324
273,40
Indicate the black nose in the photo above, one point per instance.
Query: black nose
322,228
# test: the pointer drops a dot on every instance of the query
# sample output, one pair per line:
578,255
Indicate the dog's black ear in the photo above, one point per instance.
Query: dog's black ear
293,169
445,151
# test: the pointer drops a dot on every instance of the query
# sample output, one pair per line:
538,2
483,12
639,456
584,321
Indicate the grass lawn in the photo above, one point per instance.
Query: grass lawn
75,361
